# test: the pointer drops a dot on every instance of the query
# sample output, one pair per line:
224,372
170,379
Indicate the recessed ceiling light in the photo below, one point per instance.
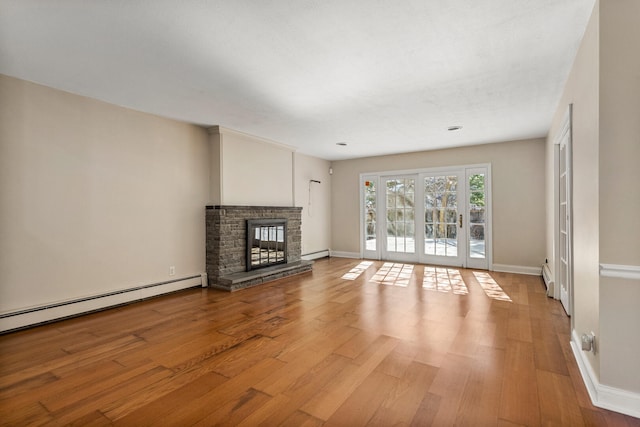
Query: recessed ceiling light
342,144
452,128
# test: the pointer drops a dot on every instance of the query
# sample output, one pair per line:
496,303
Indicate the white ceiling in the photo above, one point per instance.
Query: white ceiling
384,76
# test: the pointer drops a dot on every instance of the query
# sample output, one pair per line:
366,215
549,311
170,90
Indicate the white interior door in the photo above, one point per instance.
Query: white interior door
564,216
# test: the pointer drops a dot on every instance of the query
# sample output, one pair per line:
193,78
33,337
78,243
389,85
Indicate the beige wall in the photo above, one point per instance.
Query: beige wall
248,170
253,171
582,91
619,342
620,132
619,177
94,197
315,203
517,190
604,88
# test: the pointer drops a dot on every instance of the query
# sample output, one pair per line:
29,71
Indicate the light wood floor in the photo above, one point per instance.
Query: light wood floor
400,345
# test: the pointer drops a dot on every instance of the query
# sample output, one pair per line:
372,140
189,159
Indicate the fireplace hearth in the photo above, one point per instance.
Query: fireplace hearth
251,245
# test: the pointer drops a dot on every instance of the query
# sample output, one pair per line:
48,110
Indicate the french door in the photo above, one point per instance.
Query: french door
565,245
399,207
430,216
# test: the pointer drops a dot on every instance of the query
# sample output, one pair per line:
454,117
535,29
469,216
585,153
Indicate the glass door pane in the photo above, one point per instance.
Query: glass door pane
370,208
400,215
477,225
477,215
443,203
440,215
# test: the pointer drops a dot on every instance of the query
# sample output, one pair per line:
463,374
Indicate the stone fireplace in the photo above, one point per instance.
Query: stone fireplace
277,251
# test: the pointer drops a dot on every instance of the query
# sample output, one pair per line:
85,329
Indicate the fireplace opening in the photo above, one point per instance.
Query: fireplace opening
266,242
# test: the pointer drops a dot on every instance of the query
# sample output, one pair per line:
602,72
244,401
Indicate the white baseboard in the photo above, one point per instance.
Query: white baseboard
340,254
603,396
315,255
518,269
42,314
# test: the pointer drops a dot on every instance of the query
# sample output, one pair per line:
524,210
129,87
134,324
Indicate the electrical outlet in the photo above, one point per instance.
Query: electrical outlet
172,271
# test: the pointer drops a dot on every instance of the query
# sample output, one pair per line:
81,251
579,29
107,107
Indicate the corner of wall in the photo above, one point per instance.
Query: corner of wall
215,166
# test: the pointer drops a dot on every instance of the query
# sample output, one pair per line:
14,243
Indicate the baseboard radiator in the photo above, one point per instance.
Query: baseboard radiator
548,279
33,316
315,255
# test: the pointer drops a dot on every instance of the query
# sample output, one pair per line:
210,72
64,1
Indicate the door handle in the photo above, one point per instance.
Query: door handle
460,220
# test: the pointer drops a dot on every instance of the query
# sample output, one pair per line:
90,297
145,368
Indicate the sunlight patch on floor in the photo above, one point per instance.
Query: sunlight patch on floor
443,279
356,271
393,274
491,287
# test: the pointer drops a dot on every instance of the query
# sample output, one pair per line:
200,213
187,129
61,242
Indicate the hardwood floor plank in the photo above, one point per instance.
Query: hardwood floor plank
479,404
322,339
353,347
468,338
32,413
426,412
408,345
558,403
26,385
58,401
200,407
236,410
229,363
244,355
155,411
548,353
282,379
365,400
396,363
69,382
300,419
80,407
50,348
519,398
519,324
324,404
308,385
285,405
273,412
506,423
405,398
72,361
95,418
449,384
501,332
